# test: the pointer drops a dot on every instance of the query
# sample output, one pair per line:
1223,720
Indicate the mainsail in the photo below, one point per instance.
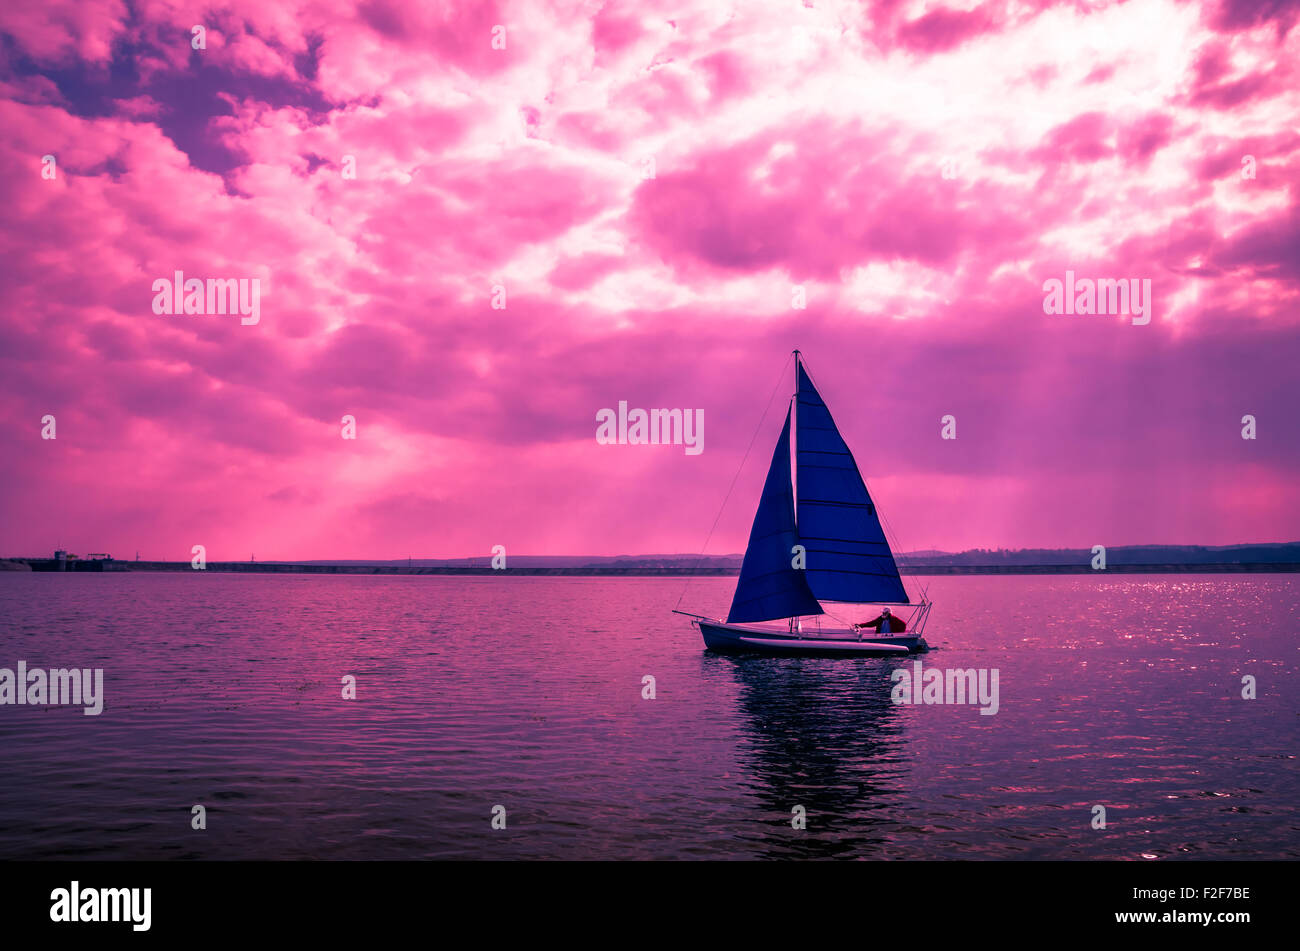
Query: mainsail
770,586
848,556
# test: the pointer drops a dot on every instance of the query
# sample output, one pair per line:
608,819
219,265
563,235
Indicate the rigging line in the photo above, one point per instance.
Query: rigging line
842,620
726,497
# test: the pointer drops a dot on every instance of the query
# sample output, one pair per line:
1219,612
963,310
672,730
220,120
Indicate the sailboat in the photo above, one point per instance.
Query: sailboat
814,541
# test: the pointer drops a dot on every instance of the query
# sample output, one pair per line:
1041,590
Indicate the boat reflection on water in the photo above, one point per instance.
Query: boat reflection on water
822,734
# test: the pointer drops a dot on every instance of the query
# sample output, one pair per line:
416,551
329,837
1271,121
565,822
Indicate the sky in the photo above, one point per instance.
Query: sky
475,226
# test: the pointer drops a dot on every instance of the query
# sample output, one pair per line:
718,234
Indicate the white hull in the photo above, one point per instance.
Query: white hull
757,638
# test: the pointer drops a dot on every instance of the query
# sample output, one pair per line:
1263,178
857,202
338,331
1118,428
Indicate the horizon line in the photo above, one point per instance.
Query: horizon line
700,555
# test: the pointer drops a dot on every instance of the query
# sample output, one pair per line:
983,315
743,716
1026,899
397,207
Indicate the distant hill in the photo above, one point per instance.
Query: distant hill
1261,553
1284,552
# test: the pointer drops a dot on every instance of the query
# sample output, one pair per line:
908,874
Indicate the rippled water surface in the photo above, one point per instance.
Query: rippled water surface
225,690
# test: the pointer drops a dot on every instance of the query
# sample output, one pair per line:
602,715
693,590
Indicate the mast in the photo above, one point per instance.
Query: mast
794,466
794,443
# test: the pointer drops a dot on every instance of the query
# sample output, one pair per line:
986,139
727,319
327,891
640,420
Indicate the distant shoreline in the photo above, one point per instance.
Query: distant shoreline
620,569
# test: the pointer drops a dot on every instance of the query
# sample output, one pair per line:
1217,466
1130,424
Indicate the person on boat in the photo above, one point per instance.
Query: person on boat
885,624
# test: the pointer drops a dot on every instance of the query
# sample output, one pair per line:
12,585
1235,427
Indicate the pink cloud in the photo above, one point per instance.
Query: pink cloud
790,146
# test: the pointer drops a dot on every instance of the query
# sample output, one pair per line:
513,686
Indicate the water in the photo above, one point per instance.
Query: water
225,691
